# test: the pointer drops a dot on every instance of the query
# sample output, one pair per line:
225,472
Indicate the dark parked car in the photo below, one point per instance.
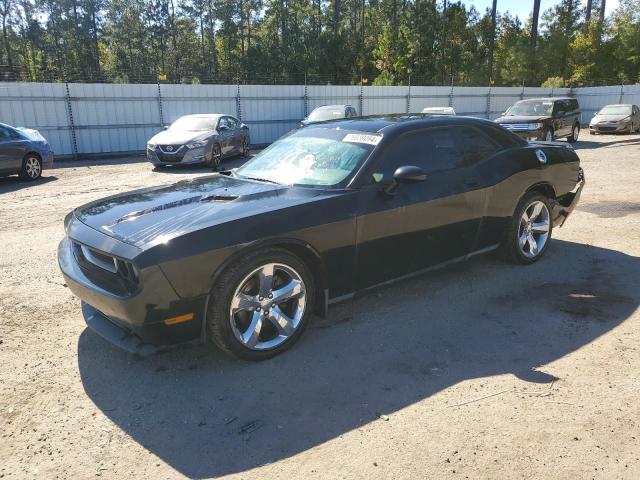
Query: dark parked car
241,259
544,119
23,151
194,139
616,119
329,112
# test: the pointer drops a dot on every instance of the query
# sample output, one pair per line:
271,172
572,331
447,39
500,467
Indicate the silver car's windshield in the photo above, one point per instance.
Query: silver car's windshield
530,109
194,124
322,114
616,110
313,158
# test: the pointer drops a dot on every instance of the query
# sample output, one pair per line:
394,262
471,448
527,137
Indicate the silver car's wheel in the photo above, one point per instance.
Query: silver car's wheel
267,306
216,157
31,168
533,232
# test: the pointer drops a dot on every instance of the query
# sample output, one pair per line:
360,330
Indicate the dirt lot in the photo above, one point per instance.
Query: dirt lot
481,370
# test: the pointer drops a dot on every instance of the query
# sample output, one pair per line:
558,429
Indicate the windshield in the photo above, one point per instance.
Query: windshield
530,109
318,158
194,124
616,110
322,114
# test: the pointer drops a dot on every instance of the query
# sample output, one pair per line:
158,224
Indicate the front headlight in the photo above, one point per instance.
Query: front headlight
151,146
193,145
536,126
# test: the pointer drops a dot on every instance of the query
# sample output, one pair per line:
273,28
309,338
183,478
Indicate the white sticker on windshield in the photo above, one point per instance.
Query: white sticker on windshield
362,138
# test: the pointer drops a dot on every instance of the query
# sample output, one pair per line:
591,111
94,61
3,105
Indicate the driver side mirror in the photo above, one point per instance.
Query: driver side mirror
405,175
222,128
166,127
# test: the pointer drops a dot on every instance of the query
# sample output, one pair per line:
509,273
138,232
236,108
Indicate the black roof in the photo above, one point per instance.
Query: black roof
398,122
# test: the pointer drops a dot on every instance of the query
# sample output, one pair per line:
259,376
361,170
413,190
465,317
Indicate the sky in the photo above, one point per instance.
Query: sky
523,8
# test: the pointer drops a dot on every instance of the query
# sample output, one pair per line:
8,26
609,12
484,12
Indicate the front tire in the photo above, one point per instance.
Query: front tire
31,167
529,232
261,304
216,157
548,136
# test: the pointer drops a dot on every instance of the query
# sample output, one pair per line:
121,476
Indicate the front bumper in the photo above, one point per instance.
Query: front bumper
563,206
609,128
530,135
141,317
48,161
194,156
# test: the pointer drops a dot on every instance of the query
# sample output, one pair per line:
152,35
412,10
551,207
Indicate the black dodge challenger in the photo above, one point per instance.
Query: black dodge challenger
243,258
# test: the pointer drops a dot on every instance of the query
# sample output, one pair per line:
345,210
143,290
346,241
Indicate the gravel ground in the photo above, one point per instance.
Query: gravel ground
482,370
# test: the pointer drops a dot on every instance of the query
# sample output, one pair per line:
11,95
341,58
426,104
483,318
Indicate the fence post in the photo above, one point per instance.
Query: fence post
409,96
522,92
551,92
489,103
361,97
160,105
72,126
451,93
306,97
621,92
238,106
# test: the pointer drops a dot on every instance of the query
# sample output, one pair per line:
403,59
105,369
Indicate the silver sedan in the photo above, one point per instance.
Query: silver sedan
199,139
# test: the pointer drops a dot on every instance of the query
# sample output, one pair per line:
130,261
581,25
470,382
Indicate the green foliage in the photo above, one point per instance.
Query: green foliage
554,82
387,42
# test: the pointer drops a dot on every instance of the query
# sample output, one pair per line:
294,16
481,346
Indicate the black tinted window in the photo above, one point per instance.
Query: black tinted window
5,134
435,150
233,123
573,105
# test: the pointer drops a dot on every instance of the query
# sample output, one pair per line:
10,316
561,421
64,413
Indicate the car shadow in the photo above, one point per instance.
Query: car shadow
207,415
14,183
616,140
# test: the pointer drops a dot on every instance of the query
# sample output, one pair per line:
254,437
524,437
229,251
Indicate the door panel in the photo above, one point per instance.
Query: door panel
225,136
422,225
12,151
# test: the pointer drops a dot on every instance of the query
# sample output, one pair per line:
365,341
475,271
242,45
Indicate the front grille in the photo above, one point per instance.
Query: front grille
170,158
606,129
170,149
107,272
515,126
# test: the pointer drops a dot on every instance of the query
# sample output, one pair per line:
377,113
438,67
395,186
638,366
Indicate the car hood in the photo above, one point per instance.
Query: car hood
610,118
170,137
522,119
155,215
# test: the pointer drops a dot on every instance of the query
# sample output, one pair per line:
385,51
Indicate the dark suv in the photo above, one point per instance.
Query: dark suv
543,119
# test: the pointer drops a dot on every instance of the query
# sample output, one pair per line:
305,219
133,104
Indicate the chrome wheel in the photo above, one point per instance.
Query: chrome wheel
216,157
549,136
268,306
576,133
533,232
245,148
32,167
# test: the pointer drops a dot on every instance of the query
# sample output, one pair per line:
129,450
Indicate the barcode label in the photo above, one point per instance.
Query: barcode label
360,138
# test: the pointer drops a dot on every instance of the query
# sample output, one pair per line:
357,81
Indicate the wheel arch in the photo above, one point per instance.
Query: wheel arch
32,152
301,249
544,188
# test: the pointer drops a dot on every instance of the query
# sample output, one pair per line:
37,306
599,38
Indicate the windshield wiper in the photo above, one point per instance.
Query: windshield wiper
266,180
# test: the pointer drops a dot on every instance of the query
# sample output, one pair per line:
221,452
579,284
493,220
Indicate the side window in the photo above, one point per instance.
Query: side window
559,108
474,146
4,134
223,122
233,123
574,105
352,112
435,150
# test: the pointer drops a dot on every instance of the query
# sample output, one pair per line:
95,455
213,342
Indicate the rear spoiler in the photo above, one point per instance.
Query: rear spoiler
542,143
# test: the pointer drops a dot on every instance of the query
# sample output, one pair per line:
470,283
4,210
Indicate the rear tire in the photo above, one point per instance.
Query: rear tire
31,167
575,134
529,231
240,305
